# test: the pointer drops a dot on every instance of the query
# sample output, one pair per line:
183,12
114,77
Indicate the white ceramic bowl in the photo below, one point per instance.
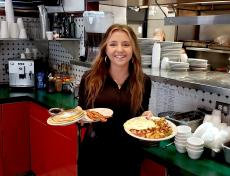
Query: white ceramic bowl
55,111
193,154
194,147
195,142
183,130
182,137
186,135
181,142
180,148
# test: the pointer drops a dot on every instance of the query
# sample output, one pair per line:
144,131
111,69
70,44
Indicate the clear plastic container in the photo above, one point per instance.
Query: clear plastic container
97,21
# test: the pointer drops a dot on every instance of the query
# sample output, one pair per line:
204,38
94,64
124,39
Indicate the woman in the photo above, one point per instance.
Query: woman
116,81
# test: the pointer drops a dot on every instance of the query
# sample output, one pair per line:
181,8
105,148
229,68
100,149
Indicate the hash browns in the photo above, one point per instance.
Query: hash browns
161,130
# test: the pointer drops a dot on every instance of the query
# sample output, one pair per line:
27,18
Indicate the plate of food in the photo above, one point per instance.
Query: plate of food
66,117
153,129
97,114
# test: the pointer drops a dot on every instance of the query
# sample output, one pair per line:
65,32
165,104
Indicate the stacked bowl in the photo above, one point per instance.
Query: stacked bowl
195,147
183,133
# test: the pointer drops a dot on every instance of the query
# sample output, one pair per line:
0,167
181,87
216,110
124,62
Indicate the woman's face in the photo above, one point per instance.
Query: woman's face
119,49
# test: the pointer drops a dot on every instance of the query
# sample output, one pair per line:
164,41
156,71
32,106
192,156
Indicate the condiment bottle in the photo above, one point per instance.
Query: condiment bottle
51,85
58,84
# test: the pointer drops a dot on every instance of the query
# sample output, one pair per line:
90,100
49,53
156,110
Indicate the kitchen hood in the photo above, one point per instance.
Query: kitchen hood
187,2
198,20
30,4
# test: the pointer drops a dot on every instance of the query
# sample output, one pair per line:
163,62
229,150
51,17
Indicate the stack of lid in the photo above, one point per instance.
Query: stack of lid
178,66
197,64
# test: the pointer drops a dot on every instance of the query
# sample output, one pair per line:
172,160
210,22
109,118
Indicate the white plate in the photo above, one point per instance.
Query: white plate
198,68
65,118
179,69
104,111
172,125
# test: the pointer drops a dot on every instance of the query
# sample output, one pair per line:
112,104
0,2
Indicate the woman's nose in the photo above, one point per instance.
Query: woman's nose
119,48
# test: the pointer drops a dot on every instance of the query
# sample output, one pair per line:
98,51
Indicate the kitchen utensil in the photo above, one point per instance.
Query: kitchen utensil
43,20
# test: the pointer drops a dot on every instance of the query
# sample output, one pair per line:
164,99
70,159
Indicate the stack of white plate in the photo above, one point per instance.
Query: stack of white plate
198,64
146,60
171,50
178,66
146,45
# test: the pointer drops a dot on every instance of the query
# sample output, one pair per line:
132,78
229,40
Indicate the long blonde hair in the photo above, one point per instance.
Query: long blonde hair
100,69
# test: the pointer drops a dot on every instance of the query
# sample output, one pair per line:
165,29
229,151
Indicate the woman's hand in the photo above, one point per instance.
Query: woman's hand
78,108
147,114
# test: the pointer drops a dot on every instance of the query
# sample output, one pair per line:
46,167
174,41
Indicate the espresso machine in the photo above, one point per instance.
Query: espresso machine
21,73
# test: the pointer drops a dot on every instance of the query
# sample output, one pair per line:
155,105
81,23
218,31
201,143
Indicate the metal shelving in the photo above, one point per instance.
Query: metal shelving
208,50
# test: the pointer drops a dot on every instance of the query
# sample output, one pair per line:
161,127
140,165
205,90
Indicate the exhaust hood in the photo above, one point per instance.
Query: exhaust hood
198,20
187,2
30,4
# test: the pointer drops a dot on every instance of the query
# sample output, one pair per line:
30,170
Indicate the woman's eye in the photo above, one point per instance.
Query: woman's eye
112,44
126,45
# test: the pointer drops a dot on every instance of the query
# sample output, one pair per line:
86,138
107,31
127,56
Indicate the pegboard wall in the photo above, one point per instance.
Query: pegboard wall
165,97
80,33
58,54
78,71
12,49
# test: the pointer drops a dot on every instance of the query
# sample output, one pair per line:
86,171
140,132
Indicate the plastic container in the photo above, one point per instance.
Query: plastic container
58,85
191,118
226,149
97,21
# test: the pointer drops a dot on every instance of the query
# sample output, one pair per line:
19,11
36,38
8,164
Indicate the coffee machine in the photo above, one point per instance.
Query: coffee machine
21,72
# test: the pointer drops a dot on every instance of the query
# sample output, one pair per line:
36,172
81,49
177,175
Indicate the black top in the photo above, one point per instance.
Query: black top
104,137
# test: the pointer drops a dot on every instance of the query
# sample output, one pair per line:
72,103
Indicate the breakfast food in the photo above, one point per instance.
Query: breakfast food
96,116
67,116
149,128
139,123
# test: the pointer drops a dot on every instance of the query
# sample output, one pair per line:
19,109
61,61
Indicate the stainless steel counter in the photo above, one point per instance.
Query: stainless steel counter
215,82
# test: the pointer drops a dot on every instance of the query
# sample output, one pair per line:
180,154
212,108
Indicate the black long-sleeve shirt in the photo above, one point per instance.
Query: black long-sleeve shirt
110,136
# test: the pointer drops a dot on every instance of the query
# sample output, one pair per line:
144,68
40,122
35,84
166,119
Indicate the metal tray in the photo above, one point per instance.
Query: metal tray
191,118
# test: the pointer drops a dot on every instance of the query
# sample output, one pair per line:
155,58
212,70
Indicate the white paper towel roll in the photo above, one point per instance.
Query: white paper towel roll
156,54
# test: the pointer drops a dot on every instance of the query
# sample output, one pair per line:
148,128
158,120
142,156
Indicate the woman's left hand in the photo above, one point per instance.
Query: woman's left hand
147,114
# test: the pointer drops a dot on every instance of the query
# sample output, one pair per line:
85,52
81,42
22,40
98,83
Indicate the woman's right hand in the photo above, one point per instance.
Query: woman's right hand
147,114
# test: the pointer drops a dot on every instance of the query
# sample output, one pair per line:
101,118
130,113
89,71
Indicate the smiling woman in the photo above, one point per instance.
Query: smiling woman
115,81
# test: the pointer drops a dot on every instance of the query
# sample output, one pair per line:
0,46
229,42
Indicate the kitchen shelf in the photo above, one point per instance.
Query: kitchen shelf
67,39
188,2
208,50
59,39
13,39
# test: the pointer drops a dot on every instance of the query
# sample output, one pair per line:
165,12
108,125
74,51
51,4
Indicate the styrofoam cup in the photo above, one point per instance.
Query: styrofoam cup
49,35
